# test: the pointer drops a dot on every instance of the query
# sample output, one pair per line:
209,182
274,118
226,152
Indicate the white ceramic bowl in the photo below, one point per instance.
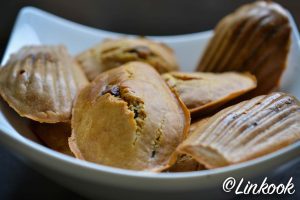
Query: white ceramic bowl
34,26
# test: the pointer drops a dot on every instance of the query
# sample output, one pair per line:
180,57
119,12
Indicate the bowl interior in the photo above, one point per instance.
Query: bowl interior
44,28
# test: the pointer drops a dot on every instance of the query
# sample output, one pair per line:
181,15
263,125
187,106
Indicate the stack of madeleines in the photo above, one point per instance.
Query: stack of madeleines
124,103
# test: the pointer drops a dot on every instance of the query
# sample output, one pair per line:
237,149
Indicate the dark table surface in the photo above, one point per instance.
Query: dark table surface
144,17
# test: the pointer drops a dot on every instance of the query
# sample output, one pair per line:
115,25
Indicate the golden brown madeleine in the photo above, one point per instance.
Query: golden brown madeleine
246,131
115,52
254,38
54,136
128,118
40,82
203,92
186,163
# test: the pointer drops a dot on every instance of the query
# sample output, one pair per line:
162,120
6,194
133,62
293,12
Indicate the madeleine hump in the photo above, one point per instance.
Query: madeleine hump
128,118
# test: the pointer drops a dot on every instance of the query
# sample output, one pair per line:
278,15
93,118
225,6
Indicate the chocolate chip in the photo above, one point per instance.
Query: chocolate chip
141,51
275,108
22,71
289,101
113,90
153,154
136,113
234,116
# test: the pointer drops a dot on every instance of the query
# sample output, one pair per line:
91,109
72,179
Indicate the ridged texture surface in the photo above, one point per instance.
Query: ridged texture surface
40,82
115,52
254,38
128,118
203,92
54,136
246,131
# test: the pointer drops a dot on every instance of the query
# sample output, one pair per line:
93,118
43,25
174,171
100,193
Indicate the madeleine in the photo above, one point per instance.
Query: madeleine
204,92
40,83
112,53
254,38
128,118
245,131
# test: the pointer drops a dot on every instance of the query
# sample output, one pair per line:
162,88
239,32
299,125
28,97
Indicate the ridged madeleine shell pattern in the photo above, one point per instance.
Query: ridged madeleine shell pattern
205,92
114,52
254,38
246,131
40,82
128,118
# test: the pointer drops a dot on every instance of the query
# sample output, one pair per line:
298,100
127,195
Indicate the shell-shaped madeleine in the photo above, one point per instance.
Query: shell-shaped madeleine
203,92
128,118
115,52
245,131
254,38
54,136
40,82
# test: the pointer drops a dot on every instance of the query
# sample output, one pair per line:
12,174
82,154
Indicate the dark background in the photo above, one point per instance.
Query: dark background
143,17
